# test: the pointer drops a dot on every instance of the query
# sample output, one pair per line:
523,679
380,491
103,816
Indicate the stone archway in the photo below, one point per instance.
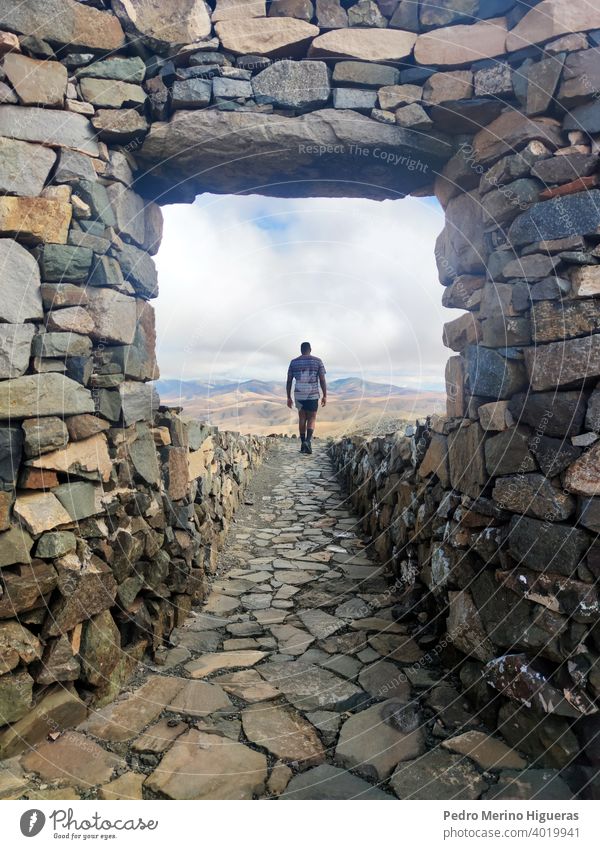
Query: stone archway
105,112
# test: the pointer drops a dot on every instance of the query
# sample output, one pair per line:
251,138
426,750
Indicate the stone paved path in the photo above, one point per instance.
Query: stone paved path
293,680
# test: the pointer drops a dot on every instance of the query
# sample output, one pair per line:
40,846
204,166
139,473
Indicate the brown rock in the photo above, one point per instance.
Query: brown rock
87,458
455,387
225,9
84,426
371,743
206,766
533,495
488,752
583,476
199,698
585,281
58,664
56,710
302,9
462,44
25,586
126,786
84,592
552,18
124,719
393,96
167,24
208,663
495,416
465,628
274,37
73,759
284,733
37,83
17,644
100,648
119,126
35,219
435,460
370,45
64,21
462,331
513,131
465,454
40,511
562,363
451,85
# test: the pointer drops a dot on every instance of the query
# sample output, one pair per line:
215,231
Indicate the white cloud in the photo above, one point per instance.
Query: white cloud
244,280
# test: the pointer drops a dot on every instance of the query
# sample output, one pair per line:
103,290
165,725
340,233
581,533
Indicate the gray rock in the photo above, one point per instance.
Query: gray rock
139,401
139,270
584,118
43,395
545,546
364,74
63,22
25,167
492,375
556,413
15,696
15,546
228,89
73,166
577,214
310,687
15,349
508,453
191,94
54,128
65,263
129,211
61,345
287,145
544,784
354,98
11,449
20,295
320,624
438,775
55,544
330,783
383,680
293,85
128,69
553,455
96,196
78,499
43,435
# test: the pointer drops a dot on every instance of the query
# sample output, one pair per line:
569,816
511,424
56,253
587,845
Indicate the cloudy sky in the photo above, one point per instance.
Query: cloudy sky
244,280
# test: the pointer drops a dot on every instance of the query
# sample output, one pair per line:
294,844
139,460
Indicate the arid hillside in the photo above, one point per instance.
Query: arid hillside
259,407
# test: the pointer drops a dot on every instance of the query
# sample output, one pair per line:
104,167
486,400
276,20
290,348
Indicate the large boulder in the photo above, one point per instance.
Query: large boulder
282,155
165,24
63,22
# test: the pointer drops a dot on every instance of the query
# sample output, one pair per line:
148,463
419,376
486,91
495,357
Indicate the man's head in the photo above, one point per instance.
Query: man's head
305,348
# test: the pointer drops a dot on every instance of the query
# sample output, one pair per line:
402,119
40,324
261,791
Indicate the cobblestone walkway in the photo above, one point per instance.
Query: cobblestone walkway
293,680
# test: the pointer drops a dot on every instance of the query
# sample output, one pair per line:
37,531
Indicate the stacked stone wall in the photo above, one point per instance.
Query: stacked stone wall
111,507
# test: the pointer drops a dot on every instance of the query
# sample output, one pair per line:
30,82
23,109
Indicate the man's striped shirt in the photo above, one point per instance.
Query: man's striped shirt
306,370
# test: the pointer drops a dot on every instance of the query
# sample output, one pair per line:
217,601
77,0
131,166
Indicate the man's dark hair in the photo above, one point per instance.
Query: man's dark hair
305,348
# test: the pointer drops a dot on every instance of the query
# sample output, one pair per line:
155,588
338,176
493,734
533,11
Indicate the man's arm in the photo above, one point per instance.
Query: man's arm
323,383
288,389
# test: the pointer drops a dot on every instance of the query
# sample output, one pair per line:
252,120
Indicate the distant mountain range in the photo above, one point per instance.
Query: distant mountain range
258,406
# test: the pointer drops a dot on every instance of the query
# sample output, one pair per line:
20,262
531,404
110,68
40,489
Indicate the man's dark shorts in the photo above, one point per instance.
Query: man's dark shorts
309,406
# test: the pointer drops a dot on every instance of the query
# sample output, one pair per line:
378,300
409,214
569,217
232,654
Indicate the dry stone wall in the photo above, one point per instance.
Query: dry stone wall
111,507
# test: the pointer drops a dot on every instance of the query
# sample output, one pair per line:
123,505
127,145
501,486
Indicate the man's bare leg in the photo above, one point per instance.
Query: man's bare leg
311,420
302,416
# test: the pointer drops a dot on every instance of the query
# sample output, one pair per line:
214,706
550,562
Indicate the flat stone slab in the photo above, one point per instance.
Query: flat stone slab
124,719
207,766
248,685
199,698
126,786
74,759
209,663
371,744
321,624
544,784
396,647
284,733
310,687
383,680
327,782
487,751
221,604
437,775
157,739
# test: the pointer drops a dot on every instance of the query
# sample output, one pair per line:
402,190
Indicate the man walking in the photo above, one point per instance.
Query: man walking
308,372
